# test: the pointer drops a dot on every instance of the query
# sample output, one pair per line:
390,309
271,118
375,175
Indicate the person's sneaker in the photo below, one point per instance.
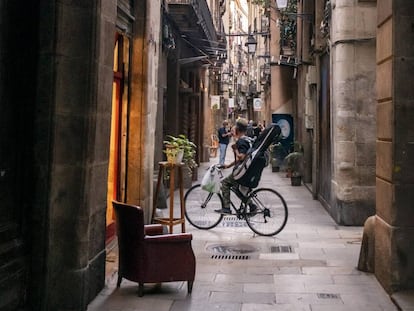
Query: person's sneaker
252,208
223,211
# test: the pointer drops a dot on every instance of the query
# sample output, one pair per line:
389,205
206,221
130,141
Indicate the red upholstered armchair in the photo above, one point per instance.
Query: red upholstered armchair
148,256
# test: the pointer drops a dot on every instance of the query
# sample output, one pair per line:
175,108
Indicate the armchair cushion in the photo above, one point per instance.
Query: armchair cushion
153,229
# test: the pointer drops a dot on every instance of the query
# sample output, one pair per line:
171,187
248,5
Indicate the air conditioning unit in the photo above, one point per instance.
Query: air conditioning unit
309,108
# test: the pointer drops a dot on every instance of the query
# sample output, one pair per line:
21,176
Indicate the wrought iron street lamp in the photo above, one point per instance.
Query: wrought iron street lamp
281,4
251,44
225,76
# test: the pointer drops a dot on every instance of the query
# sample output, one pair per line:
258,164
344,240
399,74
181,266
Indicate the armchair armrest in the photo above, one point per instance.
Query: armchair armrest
154,229
169,256
169,238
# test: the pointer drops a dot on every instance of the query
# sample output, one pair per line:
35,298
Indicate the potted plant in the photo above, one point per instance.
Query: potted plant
173,150
278,154
294,162
176,145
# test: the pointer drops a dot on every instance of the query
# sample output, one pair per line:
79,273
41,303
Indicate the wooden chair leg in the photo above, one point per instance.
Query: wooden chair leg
190,286
140,289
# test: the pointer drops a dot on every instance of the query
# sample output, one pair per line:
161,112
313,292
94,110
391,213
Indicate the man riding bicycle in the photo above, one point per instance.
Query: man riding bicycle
240,148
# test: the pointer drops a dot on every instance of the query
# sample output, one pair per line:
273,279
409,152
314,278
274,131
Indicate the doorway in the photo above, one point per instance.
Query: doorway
116,168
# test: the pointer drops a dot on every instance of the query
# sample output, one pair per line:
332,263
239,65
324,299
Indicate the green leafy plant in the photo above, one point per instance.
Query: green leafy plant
287,25
261,2
175,144
278,153
277,150
294,160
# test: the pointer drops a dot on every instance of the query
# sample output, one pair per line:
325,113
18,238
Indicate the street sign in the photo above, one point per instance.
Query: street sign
257,104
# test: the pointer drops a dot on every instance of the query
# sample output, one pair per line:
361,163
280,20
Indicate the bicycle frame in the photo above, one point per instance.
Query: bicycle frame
241,211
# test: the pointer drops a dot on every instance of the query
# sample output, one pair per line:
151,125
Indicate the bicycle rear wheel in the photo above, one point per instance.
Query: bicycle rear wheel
200,206
271,212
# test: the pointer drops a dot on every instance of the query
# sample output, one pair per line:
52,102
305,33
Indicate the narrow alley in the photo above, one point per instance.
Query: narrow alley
99,99
309,266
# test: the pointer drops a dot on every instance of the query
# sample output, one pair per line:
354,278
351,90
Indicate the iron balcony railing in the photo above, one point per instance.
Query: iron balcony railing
198,8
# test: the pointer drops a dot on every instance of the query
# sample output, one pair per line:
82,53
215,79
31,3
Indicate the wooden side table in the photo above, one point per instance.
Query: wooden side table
171,220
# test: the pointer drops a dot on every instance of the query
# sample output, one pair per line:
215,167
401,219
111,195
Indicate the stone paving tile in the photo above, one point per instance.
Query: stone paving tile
311,253
343,289
204,277
363,278
270,269
131,301
274,307
217,287
306,299
347,308
189,305
282,256
219,297
259,288
405,299
306,280
363,300
244,278
331,270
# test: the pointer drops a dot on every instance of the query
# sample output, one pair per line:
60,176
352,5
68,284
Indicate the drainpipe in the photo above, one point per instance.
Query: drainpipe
207,120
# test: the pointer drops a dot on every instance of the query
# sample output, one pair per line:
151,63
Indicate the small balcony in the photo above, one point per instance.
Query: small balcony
193,19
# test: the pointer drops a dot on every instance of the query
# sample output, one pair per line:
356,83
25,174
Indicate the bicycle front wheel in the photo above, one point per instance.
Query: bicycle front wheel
200,206
267,212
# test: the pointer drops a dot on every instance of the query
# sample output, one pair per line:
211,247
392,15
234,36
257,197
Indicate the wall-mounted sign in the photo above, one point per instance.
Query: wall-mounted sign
257,104
215,101
231,102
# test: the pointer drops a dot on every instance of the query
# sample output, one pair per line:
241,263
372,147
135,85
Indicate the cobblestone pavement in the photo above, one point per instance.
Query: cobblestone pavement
309,266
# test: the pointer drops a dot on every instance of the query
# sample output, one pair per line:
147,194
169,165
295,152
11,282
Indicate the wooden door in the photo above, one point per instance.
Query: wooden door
115,143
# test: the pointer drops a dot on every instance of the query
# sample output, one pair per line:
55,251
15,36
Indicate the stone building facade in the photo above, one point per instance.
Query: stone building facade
394,220
352,115
85,87
57,77
336,115
57,82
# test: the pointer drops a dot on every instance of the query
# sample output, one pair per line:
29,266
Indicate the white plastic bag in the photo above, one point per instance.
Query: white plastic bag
211,180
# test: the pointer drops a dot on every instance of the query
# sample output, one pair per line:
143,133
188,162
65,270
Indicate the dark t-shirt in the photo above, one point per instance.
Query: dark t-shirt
256,131
243,145
223,140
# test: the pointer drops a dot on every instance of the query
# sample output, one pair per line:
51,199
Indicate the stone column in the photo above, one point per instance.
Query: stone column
72,126
143,105
353,111
394,230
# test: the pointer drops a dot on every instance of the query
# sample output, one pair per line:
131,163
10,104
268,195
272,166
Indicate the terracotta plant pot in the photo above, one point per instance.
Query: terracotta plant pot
296,180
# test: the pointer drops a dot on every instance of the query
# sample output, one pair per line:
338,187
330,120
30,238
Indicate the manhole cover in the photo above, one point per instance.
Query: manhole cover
232,249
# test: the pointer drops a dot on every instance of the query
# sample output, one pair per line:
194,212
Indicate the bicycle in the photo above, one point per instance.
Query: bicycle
264,209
